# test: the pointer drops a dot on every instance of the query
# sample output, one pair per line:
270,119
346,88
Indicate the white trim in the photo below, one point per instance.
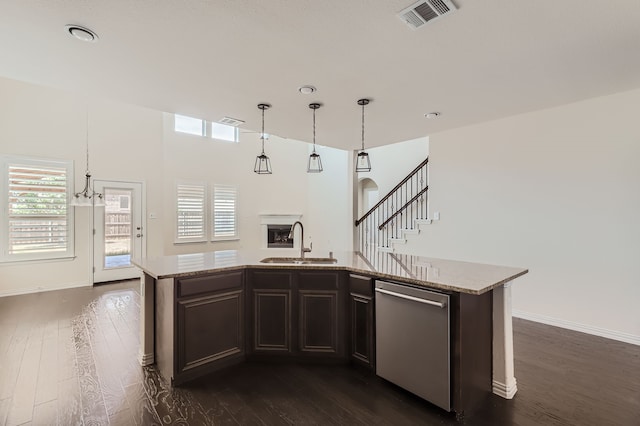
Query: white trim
146,359
575,326
501,389
43,289
279,219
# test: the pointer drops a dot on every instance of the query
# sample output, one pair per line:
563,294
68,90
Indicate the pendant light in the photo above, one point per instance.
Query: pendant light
363,164
87,197
315,163
263,164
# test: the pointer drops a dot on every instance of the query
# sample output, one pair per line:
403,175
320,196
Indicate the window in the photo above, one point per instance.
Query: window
191,215
37,222
198,127
225,217
224,132
193,126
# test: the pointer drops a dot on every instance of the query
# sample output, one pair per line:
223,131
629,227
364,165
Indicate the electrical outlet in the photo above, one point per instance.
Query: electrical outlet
436,215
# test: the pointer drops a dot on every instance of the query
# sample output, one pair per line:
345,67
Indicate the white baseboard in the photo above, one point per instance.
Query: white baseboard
589,329
42,289
501,389
146,359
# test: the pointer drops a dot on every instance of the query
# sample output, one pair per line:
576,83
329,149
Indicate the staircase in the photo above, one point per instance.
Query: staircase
397,216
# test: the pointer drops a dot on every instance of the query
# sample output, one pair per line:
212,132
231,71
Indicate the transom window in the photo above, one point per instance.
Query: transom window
198,127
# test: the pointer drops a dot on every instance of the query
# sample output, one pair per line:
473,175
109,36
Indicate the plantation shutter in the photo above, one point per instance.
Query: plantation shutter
225,223
38,222
191,215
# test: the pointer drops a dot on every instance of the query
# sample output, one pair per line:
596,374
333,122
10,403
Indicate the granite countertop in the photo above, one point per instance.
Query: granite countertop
463,277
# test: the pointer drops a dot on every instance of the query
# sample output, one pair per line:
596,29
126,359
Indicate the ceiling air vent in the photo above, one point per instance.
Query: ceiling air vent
424,11
230,121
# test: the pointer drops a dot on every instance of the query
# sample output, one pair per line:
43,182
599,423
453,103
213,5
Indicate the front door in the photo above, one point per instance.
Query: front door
118,231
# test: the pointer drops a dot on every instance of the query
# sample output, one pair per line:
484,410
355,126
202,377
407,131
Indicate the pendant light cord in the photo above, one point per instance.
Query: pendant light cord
363,126
262,134
314,130
87,141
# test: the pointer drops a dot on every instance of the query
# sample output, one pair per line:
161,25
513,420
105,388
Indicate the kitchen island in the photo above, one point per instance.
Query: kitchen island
202,312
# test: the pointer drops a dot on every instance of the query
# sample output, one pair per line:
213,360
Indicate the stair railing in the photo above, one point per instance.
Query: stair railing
396,211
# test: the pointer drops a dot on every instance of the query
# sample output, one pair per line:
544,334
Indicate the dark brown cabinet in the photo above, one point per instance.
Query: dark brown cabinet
210,328
206,323
296,313
269,312
321,312
361,318
272,320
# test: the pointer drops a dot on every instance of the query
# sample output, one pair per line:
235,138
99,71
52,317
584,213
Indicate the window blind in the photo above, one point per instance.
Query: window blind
225,223
191,212
38,220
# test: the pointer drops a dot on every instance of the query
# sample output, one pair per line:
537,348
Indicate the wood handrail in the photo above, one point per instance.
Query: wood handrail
422,191
386,197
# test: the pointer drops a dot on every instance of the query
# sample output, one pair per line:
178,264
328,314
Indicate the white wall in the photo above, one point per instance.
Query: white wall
189,157
130,143
556,191
330,226
392,163
41,122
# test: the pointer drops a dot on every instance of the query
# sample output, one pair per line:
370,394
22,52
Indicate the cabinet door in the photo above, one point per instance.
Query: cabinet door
272,320
210,330
318,321
362,332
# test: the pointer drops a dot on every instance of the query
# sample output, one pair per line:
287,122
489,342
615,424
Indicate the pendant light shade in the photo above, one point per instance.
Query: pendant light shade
87,197
363,163
315,162
262,165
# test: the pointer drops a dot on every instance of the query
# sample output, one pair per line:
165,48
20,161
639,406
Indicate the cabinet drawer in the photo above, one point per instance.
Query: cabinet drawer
319,280
209,283
271,279
359,284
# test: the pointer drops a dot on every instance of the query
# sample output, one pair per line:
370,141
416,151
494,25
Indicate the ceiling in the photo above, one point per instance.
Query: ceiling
215,58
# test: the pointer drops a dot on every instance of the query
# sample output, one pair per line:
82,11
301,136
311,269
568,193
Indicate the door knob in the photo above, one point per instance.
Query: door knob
138,235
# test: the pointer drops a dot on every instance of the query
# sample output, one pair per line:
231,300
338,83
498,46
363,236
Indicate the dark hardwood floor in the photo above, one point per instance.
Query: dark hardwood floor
69,357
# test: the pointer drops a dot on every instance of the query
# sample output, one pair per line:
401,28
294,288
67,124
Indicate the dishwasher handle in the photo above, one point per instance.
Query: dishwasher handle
412,298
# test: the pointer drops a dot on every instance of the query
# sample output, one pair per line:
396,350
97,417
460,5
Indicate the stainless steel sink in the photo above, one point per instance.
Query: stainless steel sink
299,261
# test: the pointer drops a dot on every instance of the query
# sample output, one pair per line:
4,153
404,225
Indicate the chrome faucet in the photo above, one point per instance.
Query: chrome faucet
303,250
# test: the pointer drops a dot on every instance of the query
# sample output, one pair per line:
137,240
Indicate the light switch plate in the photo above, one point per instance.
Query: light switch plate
436,216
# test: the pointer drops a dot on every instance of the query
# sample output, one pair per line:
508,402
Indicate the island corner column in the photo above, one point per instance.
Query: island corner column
147,326
504,381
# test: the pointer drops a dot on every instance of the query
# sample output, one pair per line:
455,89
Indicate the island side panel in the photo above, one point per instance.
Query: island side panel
147,326
504,380
165,327
472,351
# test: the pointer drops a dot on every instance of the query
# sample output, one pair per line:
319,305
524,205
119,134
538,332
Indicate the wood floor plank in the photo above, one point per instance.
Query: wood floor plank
47,386
5,404
24,394
92,400
67,363
13,358
45,414
173,405
140,407
112,390
68,402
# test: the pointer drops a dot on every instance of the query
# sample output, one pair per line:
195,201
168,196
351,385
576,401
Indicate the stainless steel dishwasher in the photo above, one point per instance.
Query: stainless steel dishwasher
412,341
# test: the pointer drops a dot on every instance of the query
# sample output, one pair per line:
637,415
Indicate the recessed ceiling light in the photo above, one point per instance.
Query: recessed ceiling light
306,89
82,33
433,115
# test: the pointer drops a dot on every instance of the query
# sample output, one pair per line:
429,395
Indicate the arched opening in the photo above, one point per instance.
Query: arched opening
368,195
